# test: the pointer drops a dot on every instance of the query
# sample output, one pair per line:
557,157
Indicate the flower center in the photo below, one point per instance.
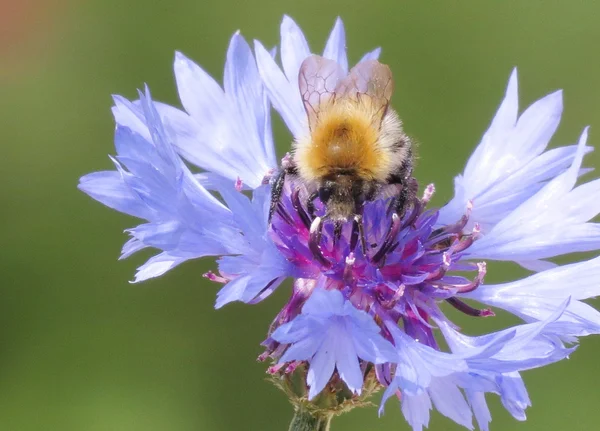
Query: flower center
380,261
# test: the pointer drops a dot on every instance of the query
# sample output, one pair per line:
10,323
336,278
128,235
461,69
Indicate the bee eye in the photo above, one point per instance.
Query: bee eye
324,194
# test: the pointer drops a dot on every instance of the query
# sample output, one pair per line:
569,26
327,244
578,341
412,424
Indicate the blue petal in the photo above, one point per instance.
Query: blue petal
335,49
157,266
531,345
347,361
480,408
262,268
283,94
200,94
259,264
320,370
538,296
185,221
513,395
324,303
415,409
449,401
233,291
109,188
372,55
331,333
519,193
219,120
548,224
131,116
244,89
294,48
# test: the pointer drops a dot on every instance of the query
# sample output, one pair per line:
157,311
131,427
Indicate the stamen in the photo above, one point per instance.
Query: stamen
258,298
469,207
461,223
417,209
292,367
482,270
390,207
466,240
314,241
348,275
428,193
442,269
419,314
387,243
439,240
286,161
239,184
274,369
462,244
467,309
284,214
361,233
299,208
214,277
268,177
398,294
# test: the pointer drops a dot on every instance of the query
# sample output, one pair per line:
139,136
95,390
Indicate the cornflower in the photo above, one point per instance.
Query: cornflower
365,313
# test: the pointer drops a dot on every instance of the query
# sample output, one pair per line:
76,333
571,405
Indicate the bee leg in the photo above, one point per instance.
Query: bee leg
400,202
337,231
405,198
310,204
358,233
277,187
276,192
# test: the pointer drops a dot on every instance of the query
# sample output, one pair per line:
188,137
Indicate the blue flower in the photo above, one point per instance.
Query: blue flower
374,313
331,334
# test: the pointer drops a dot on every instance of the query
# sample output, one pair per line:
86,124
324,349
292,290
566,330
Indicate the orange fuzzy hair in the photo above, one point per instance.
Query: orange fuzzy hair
345,135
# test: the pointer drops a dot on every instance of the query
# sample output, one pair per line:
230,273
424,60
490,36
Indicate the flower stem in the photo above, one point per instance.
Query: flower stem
305,420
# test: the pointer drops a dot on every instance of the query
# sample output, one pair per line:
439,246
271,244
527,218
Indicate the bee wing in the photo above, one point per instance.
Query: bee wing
317,80
369,79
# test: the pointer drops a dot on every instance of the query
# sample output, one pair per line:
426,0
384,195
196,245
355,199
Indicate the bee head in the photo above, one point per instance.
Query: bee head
342,196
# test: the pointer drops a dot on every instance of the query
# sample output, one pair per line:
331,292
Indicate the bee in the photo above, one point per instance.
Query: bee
355,149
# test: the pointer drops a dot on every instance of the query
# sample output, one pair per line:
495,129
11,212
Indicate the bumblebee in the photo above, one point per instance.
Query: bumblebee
355,149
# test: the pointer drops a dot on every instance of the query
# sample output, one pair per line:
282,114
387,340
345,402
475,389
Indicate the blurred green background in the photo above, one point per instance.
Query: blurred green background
83,350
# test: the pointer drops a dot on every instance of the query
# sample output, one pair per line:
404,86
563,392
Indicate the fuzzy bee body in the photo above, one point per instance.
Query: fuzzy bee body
356,149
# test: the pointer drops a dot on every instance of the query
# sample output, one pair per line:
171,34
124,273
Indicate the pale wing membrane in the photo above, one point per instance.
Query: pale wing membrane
317,80
369,79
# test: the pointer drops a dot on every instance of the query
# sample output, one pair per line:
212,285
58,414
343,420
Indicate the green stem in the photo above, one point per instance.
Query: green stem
305,420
